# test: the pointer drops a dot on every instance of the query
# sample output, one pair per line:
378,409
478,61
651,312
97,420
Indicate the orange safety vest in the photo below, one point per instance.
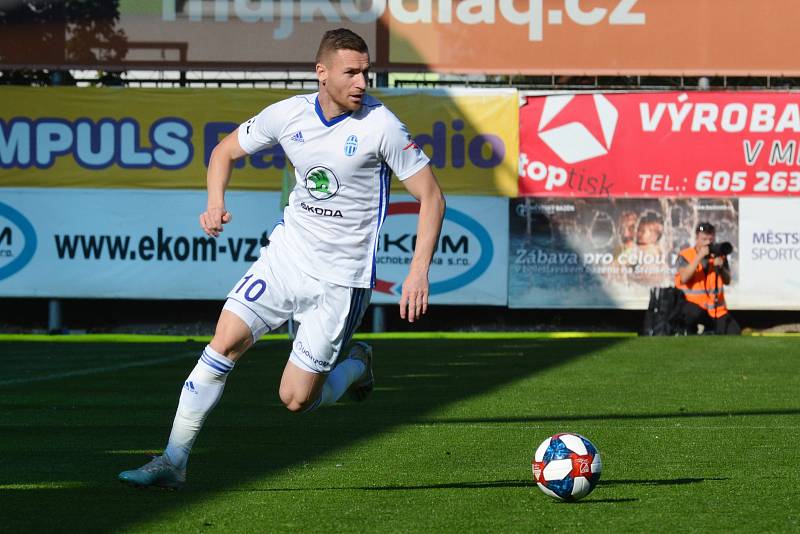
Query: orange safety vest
702,288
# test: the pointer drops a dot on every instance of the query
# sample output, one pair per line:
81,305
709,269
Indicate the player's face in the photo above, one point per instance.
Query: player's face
344,75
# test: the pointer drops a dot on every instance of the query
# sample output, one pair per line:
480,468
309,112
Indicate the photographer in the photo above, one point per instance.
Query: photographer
703,271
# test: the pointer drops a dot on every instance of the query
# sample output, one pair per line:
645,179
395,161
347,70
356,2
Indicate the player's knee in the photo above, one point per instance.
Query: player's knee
288,398
294,402
231,339
232,349
297,406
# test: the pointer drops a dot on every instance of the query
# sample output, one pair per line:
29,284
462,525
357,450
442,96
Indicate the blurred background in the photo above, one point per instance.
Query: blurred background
579,143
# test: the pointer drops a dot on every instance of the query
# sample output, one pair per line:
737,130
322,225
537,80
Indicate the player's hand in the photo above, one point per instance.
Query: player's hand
703,251
212,219
414,300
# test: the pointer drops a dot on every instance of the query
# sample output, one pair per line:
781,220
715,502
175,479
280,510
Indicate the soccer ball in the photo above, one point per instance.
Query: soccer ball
566,466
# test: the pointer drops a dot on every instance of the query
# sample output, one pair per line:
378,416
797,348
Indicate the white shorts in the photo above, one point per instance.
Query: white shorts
275,289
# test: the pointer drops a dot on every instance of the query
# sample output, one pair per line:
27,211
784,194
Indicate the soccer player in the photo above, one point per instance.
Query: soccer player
319,266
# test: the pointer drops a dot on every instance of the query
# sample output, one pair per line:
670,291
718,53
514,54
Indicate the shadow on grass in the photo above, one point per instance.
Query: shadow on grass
450,485
657,482
87,429
607,417
598,501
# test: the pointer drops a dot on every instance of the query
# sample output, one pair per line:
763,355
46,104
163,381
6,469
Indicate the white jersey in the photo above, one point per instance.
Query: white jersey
343,169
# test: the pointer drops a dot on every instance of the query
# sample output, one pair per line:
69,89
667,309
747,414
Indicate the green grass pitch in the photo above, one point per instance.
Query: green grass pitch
696,434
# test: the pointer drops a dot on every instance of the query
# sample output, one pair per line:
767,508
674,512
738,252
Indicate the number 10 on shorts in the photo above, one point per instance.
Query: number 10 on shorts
254,290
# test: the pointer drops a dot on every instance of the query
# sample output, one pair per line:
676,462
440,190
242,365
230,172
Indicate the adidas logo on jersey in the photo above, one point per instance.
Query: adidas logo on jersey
298,136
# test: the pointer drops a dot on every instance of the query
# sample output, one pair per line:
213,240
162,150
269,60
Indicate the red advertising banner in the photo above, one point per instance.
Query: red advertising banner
660,144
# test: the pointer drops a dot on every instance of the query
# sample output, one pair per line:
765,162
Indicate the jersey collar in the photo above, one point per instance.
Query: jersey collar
337,119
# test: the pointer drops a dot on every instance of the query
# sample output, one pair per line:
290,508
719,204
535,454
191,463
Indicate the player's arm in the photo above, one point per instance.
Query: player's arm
220,166
423,186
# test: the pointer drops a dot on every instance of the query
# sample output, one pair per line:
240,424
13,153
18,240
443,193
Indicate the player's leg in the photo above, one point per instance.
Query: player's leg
300,388
203,388
201,392
353,373
249,311
308,381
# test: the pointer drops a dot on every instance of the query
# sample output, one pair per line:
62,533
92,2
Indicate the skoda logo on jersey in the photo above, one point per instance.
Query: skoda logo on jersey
321,183
17,241
351,145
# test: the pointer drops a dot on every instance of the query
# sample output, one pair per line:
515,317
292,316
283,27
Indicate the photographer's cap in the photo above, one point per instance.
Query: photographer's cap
706,228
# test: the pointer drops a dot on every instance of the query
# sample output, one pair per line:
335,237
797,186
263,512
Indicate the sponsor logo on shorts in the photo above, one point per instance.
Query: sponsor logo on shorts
301,349
322,212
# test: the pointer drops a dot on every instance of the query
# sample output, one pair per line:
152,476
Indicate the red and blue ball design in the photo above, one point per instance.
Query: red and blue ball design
566,466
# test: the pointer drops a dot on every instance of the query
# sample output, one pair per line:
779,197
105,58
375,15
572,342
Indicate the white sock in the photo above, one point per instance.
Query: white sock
201,392
339,380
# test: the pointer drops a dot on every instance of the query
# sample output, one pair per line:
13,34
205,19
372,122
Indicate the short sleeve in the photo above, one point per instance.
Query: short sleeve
399,150
261,131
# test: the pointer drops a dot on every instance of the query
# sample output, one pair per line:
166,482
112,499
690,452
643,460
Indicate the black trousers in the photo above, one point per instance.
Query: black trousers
694,315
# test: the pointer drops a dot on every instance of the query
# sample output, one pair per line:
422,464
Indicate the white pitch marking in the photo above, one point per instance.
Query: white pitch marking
93,370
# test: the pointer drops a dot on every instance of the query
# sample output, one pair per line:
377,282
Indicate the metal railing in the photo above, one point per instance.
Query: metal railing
307,80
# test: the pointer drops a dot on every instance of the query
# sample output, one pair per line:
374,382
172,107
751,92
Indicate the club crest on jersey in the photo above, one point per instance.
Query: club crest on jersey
351,145
321,183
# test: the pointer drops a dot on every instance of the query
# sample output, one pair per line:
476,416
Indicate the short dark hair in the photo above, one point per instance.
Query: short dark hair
340,39
706,228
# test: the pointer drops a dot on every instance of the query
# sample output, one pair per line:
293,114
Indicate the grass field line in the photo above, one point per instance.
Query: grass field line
44,486
96,370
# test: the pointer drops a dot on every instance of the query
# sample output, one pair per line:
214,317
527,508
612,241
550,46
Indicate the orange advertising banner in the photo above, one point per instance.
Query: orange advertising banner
572,37
597,37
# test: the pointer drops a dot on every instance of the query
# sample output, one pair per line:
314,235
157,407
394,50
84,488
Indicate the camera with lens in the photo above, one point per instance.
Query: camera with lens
720,249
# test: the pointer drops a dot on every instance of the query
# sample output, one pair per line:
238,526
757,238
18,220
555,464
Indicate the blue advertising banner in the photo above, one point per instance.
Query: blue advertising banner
147,244
101,243
470,263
